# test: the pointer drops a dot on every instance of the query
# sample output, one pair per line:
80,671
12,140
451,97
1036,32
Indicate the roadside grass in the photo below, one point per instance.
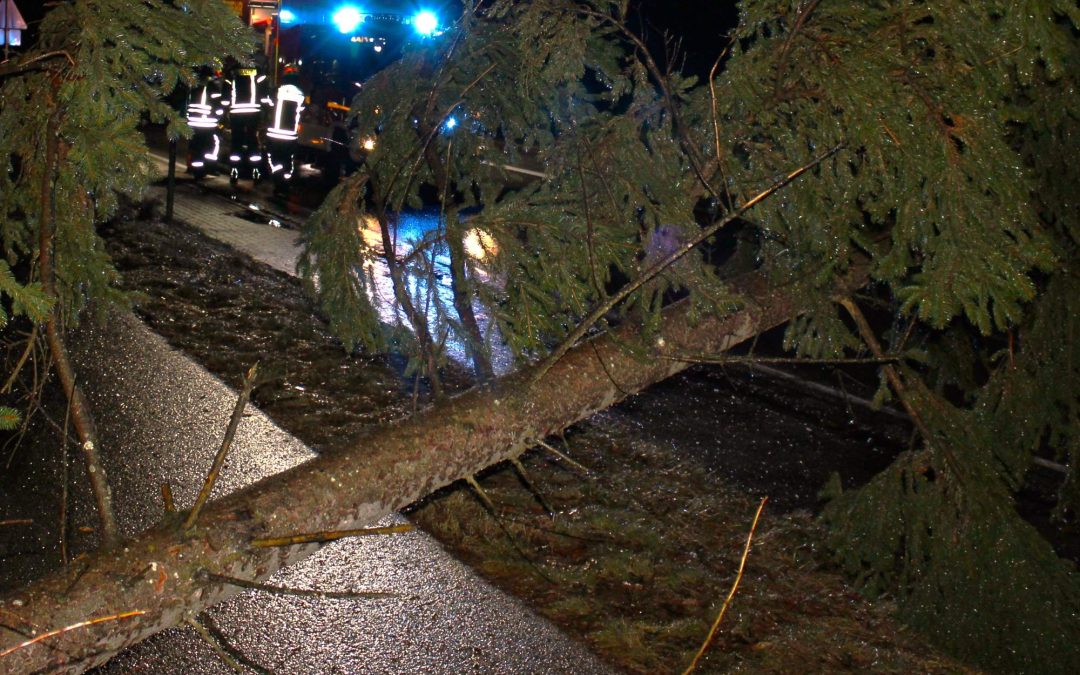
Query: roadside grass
638,557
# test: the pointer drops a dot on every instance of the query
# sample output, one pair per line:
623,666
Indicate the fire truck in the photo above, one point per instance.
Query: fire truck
316,55
328,50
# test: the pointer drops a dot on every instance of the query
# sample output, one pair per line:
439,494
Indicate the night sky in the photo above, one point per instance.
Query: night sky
701,27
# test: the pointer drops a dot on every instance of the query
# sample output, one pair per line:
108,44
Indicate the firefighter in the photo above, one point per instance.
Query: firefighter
283,131
247,95
205,108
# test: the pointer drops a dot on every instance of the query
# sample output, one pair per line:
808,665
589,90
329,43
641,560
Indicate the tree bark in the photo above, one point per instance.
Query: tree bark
81,414
162,573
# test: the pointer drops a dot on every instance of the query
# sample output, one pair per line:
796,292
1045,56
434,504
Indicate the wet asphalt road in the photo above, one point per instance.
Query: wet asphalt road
168,415
166,418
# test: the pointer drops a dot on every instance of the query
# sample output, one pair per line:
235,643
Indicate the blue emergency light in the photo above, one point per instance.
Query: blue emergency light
425,22
347,18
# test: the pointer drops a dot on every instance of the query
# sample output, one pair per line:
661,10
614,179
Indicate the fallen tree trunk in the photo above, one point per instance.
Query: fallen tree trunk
160,579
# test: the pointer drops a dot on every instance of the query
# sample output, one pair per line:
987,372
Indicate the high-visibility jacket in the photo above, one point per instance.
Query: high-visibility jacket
206,105
288,105
247,92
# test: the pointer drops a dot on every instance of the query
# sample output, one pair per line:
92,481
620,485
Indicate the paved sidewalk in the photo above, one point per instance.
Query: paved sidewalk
220,219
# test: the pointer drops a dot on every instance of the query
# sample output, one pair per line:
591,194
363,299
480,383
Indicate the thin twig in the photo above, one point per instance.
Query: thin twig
722,360
580,467
215,639
167,498
804,13
299,592
31,340
24,66
16,521
892,375
74,626
331,535
525,522
64,486
716,123
731,594
489,506
610,377
226,443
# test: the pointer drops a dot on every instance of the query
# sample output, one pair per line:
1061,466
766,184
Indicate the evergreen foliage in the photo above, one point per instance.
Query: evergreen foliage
99,68
70,146
954,180
954,122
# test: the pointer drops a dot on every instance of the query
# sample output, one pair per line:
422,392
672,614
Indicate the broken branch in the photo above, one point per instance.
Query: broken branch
226,443
731,594
74,626
323,537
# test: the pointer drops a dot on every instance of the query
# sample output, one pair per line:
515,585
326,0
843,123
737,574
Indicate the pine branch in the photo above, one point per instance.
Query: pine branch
590,320
688,145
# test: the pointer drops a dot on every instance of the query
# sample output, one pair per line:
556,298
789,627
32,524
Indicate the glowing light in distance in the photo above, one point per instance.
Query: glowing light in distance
347,18
425,22
451,123
286,17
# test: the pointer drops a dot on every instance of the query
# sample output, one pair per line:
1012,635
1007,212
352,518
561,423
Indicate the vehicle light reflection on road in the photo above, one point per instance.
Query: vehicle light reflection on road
479,244
411,230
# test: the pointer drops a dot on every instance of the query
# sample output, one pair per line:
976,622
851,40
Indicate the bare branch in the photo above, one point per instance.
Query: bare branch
722,360
331,535
30,341
232,656
298,592
226,443
561,455
731,593
892,375
8,69
66,629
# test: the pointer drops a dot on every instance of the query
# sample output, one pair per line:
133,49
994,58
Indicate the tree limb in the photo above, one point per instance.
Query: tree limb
80,408
384,470
219,459
611,302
